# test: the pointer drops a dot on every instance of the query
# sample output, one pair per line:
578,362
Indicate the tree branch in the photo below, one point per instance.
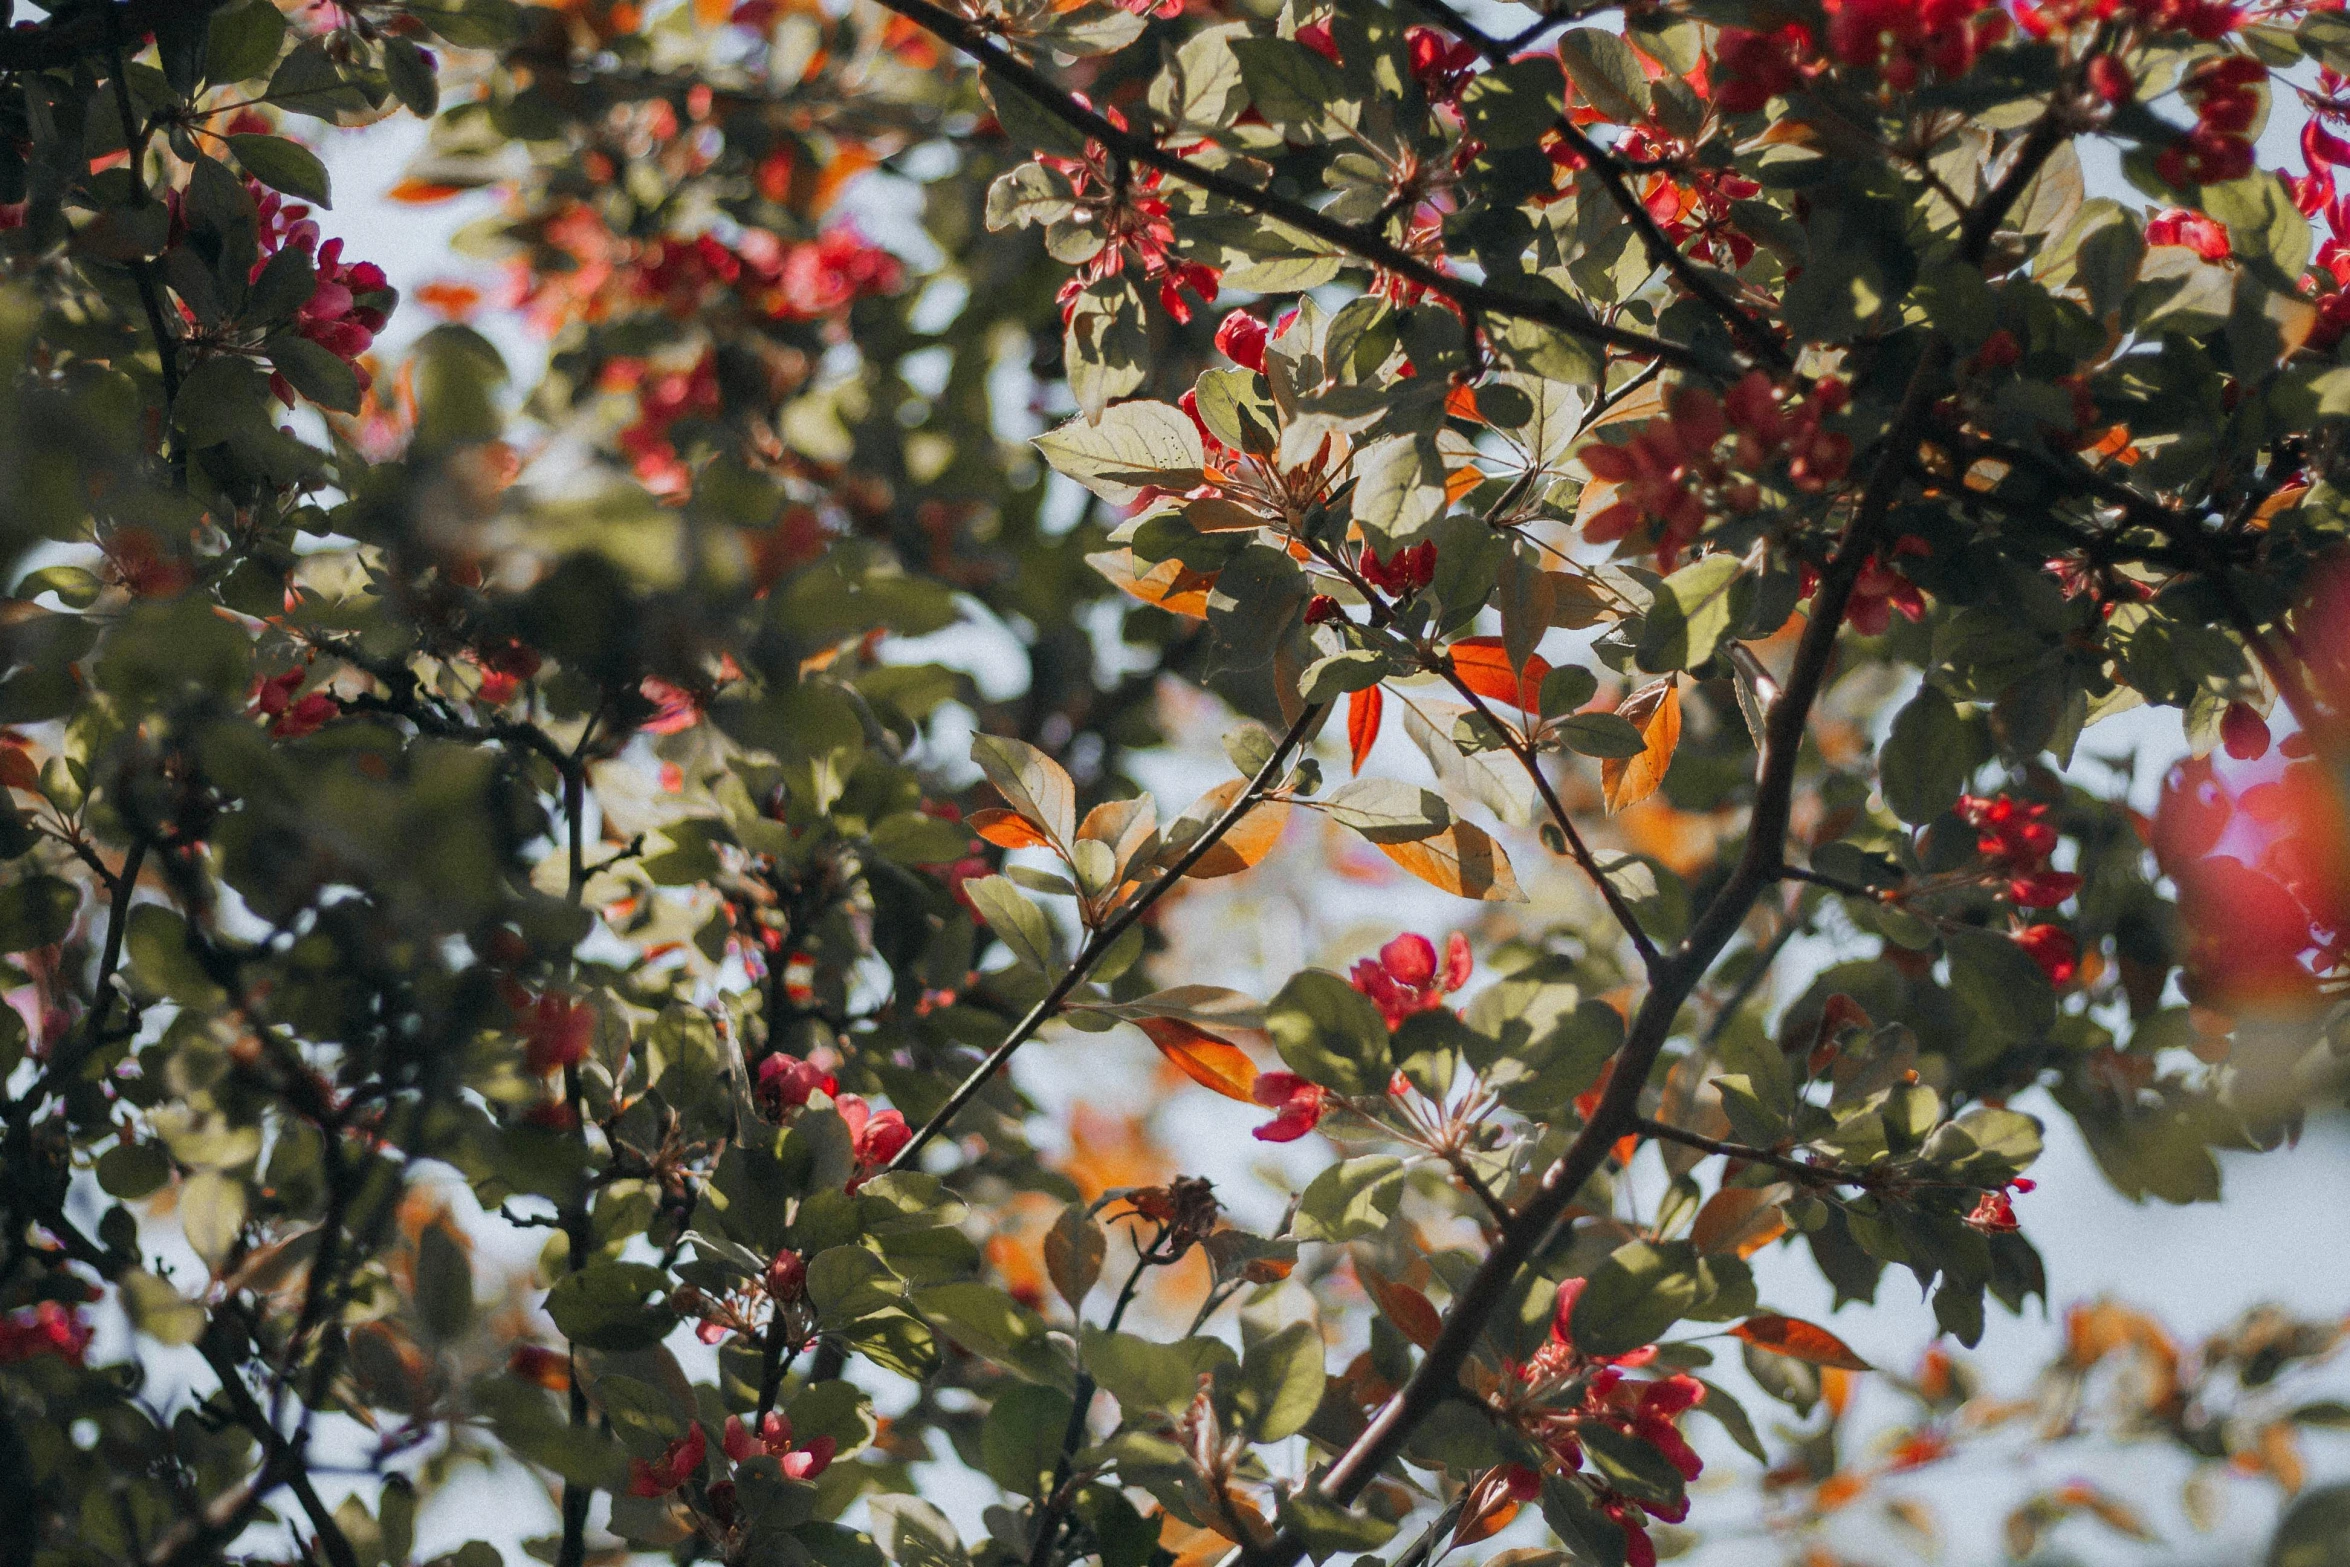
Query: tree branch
1437,1377
1099,944
1800,1169
1604,165
1579,850
1474,298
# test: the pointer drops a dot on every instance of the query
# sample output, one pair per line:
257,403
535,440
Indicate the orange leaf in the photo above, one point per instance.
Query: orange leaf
1364,709
1007,829
1485,1525
1461,481
1402,1305
1743,1219
710,13
1463,860
1654,710
1836,1393
1171,585
1202,1057
1484,667
1461,403
1251,838
1798,1340
422,193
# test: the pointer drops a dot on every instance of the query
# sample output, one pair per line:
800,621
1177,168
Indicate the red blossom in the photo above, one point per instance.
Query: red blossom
676,1465
2204,235
1241,338
2053,948
1411,568
875,1136
50,1328
775,1441
786,1081
1299,1102
556,1032
1404,977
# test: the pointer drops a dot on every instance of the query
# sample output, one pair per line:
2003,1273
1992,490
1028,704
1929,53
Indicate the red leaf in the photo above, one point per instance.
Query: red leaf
1411,1312
1484,667
1798,1340
1364,709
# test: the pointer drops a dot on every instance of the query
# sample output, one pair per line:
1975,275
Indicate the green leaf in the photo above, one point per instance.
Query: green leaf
1292,86
986,1321
315,371
1324,1528
282,165
1386,811
1017,921
220,398
1694,608
1634,1297
1604,735
444,1283
1031,783
1515,105
212,1214
159,1311
1350,1199
1148,1377
1607,73
1327,679
1330,1033
1927,759
1020,1442
1133,445
411,75
243,43
1280,1382
613,1306
36,912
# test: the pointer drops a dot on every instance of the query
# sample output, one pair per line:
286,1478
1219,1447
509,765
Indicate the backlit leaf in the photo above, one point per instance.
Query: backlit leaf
1799,1340
1654,710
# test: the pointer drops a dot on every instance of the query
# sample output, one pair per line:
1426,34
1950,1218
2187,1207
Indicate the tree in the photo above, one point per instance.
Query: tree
1729,414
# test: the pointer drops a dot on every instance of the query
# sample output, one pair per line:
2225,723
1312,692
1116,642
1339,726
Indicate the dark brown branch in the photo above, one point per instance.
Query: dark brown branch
1816,1174
1473,298
1098,945
1577,849
1437,1377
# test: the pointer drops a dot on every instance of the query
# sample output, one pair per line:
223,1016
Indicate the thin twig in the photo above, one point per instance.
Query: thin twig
1099,944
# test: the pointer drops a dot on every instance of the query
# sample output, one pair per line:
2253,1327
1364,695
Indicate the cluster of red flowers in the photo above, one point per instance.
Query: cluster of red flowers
2226,103
1404,979
664,397
1673,476
774,1440
1907,38
2260,847
1136,226
875,1136
290,718
777,279
349,302
1880,589
1411,568
2017,839
1440,64
2315,195
1749,69
1646,1410
50,1328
